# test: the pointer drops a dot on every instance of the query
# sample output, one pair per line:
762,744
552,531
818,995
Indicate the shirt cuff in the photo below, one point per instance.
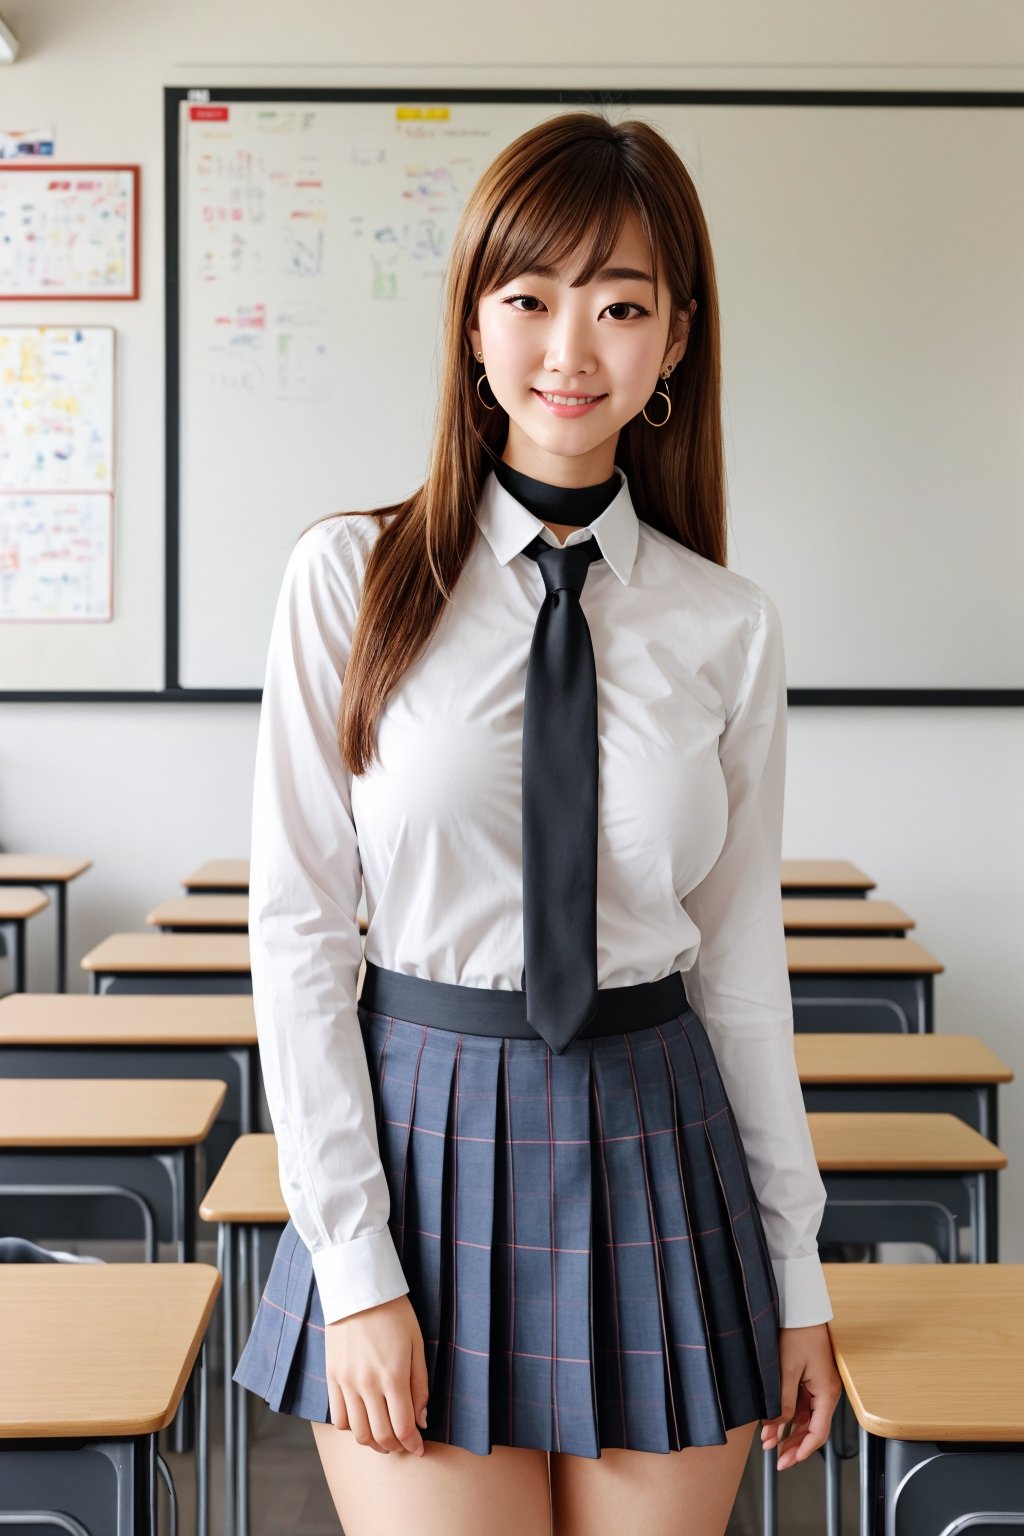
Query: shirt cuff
355,1275
803,1294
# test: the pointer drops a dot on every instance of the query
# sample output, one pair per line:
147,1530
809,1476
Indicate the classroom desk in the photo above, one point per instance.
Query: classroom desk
169,962
132,1140
50,873
219,877
70,1035
838,916
908,1177
88,1382
201,914
206,914
871,985
244,1200
932,1362
897,1177
17,904
824,877
132,1136
958,1074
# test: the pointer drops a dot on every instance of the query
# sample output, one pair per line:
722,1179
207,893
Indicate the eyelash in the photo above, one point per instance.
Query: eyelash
617,304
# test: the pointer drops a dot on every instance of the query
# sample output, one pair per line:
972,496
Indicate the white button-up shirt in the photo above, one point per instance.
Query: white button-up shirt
692,729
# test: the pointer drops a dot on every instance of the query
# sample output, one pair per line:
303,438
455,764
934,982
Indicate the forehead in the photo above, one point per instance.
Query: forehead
630,250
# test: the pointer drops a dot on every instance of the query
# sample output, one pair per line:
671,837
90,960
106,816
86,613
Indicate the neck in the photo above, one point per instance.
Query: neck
561,508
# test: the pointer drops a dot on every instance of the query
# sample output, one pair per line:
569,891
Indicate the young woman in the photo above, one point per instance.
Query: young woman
553,1199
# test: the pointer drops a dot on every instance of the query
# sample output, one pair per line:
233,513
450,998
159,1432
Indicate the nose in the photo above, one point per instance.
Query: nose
570,350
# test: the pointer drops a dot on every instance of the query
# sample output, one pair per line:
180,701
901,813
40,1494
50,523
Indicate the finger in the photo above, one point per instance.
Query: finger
808,1436
380,1420
336,1406
359,1420
775,1429
418,1382
398,1401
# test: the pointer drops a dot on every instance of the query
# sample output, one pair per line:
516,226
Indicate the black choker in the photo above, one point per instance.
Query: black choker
574,505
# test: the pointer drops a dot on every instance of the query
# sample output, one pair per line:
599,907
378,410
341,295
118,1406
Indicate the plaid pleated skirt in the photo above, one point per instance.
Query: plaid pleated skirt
582,1243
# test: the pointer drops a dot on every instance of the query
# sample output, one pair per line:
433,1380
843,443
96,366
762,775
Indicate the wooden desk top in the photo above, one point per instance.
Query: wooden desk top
23,868
207,912
861,956
65,1018
99,1349
870,1141
247,1187
839,874
186,953
853,914
107,1112
202,912
827,1058
220,873
931,1351
20,901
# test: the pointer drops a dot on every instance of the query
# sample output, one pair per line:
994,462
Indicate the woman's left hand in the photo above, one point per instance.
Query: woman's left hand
811,1388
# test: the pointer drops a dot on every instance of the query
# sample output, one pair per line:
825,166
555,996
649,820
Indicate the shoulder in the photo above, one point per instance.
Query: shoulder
330,556
723,596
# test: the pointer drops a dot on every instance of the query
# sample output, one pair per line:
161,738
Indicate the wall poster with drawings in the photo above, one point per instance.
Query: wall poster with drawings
56,472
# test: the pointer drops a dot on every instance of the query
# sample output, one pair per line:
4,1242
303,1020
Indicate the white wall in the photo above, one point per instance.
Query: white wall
927,800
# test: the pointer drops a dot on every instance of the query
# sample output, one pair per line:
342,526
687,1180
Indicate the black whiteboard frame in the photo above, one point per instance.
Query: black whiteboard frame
173,692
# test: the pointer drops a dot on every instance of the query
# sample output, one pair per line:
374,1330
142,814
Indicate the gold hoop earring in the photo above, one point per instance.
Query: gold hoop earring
660,395
479,381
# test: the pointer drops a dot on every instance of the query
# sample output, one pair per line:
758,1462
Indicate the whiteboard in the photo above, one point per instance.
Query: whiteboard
868,260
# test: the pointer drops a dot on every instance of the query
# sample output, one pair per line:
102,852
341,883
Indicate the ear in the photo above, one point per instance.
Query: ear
473,333
680,334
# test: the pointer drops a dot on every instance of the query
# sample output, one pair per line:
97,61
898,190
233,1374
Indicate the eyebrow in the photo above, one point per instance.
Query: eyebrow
606,275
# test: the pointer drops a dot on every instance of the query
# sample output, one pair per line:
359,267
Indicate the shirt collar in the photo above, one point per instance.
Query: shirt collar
508,526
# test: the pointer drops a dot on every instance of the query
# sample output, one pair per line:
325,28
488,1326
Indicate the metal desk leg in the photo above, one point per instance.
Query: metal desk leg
150,1460
242,1460
871,1483
203,1447
18,958
985,1236
226,1262
769,1501
833,1487
60,891
180,1164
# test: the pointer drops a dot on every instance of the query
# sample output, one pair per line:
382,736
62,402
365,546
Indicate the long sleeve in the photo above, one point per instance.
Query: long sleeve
305,943
739,984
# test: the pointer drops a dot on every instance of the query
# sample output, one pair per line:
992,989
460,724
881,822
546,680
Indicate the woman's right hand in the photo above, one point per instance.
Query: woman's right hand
377,1376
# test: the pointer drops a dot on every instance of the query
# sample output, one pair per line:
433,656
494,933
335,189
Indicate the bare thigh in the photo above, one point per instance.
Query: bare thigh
448,1491
649,1491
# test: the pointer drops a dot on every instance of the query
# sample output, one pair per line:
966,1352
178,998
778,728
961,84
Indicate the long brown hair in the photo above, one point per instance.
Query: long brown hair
558,192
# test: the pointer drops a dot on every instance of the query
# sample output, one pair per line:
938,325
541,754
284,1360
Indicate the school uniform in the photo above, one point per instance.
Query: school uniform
600,1243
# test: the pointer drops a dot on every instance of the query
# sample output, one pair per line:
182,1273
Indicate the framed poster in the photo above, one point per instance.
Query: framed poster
69,231
56,472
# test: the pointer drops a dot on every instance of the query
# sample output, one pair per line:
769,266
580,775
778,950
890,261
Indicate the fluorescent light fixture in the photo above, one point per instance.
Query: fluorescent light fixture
8,44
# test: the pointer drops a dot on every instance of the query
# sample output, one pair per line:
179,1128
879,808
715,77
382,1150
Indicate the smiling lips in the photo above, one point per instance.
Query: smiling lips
568,405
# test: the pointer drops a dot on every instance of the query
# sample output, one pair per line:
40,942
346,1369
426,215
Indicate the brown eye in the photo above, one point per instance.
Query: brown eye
623,305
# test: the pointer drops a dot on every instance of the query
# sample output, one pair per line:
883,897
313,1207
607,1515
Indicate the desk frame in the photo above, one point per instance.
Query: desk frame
84,1173
38,1486
910,997
905,1483
59,888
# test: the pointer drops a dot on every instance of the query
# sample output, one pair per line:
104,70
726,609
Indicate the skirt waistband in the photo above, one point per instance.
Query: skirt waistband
487,1011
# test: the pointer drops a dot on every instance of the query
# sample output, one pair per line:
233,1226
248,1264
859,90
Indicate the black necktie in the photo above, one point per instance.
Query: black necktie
560,802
